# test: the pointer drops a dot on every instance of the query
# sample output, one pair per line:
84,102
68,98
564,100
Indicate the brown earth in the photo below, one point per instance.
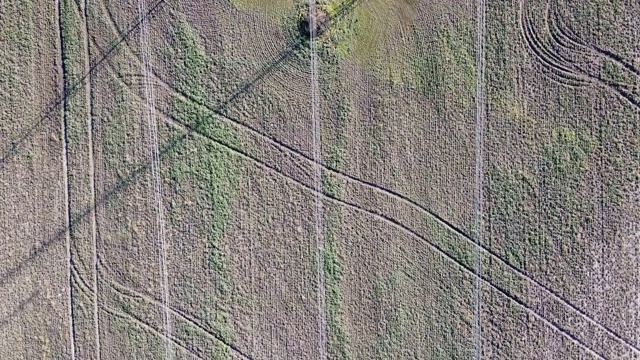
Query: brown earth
447,232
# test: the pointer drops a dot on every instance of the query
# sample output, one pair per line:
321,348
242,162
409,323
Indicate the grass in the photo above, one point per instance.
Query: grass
116,140
206,170
443,64
337,338
363,34
613,72
565,160
17,45
388,294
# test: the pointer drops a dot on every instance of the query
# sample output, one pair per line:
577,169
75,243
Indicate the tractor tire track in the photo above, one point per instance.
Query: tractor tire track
151,329
127,292
390,193
561,35
65,179
92,176
561,66
87,291
155,171
596,55
478,200
55,103
317,182
137,296
553,63
566,35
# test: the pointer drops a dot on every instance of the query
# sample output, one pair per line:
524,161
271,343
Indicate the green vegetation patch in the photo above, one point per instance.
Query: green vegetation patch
116,140
18,46
564,165
214,167
73,53
204,169
558,189
388,295
444,68
366,29
612,72
337,336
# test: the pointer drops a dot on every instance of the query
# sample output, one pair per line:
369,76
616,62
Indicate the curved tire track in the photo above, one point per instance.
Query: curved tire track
553,63
125,291
566,70
597,55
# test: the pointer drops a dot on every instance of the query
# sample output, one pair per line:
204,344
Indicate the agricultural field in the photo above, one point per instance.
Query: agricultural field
319,179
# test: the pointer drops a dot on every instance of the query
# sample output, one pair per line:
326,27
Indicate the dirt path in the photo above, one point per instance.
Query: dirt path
65,181
155,172
92,181
317,180
481,114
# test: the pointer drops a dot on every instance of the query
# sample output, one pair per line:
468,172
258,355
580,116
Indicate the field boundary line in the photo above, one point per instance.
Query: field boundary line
155,171
478,199
317,182
65,180
92,176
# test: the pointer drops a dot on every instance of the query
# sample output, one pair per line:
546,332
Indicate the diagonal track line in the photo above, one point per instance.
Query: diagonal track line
392,193
56,104
405,199
125,291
